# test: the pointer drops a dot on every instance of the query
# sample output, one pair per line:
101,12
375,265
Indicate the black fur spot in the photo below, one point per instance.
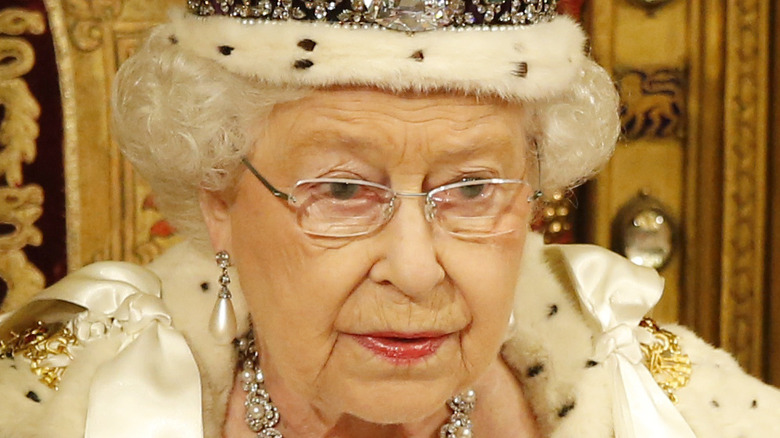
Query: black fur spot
303,64
418,56
535,370
226,50
565,409
173,39
204,286
521,69
591,363
33,396
307,44
754,404
715,403
553,310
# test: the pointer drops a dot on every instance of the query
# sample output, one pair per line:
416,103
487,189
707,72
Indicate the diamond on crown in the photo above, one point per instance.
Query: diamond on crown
402,15
410,15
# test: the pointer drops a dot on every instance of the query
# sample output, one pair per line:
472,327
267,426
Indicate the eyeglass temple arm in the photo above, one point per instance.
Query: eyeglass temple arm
538,192
268,185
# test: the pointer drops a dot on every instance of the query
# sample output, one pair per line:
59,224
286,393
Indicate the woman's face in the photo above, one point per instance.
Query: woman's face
388,326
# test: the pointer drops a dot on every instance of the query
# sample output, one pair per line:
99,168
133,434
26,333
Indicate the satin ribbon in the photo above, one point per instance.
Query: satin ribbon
151,387
618,294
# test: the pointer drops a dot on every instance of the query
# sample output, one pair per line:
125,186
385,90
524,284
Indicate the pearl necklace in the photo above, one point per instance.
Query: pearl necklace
262,416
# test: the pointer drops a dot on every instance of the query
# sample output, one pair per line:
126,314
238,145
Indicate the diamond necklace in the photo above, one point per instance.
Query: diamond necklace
262,416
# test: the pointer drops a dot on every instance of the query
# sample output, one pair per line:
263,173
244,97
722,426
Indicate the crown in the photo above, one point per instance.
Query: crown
517,49
403,15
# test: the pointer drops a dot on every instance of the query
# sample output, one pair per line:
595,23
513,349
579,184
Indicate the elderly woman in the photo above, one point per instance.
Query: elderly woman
365,173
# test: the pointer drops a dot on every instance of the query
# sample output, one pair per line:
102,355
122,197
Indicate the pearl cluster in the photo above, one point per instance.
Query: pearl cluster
460,425
261,414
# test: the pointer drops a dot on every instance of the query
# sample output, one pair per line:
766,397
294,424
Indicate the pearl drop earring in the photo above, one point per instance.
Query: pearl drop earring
222,323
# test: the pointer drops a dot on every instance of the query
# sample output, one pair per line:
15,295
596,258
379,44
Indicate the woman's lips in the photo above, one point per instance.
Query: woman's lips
402,347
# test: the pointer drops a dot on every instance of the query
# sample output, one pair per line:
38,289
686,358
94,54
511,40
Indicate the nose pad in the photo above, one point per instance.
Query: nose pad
389,210
430,210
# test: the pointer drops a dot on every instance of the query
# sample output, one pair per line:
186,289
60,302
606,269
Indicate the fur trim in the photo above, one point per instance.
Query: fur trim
550,350
189,289
721,400
521,62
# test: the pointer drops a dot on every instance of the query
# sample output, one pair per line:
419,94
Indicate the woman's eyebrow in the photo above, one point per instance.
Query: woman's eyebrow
484,146
452,150
330,139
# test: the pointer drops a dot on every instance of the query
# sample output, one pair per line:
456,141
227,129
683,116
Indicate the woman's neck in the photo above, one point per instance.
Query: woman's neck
501,411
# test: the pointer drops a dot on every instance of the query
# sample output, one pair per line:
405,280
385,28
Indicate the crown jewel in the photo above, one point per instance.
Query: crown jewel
403,15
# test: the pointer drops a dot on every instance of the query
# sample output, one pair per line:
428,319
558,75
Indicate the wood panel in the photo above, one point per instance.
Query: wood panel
713,177
773,241
703,224
745,176
626,38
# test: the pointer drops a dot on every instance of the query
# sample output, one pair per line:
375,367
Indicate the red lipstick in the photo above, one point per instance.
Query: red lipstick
402,347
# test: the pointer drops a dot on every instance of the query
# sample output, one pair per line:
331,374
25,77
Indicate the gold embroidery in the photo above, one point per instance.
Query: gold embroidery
20,205
89,20
670,367
39,344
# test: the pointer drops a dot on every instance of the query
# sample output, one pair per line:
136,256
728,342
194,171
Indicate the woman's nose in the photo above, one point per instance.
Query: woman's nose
408,258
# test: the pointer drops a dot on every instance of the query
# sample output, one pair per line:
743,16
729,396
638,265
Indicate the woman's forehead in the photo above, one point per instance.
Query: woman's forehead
410,101
373,121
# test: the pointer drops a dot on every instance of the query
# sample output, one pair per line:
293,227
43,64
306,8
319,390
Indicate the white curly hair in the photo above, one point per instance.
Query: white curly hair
184,122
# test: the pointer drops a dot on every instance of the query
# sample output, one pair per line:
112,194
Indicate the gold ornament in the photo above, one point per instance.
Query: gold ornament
38,344
670,367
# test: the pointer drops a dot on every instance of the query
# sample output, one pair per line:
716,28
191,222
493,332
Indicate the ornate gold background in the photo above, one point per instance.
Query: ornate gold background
115,218
20,204
710,168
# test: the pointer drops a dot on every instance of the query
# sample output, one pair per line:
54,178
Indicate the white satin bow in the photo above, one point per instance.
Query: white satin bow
618,294
151,387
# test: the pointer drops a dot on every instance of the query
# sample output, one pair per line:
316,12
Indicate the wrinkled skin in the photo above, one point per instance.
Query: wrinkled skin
310,296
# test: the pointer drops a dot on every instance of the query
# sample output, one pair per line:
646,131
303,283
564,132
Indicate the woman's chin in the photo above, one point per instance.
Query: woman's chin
399,403
396,413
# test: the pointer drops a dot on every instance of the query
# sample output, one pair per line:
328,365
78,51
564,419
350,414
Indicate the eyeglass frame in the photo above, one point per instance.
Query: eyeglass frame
429,213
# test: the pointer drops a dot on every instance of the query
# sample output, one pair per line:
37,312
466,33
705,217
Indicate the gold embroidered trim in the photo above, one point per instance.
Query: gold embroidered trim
39,343
20,204
670,367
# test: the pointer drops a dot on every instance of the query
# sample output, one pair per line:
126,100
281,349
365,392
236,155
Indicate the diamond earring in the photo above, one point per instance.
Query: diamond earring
222,323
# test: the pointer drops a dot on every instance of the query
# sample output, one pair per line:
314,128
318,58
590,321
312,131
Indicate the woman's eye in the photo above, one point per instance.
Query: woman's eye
342,191
472,191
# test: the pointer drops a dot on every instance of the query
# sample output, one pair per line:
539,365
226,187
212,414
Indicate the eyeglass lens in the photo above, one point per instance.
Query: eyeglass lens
343,208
